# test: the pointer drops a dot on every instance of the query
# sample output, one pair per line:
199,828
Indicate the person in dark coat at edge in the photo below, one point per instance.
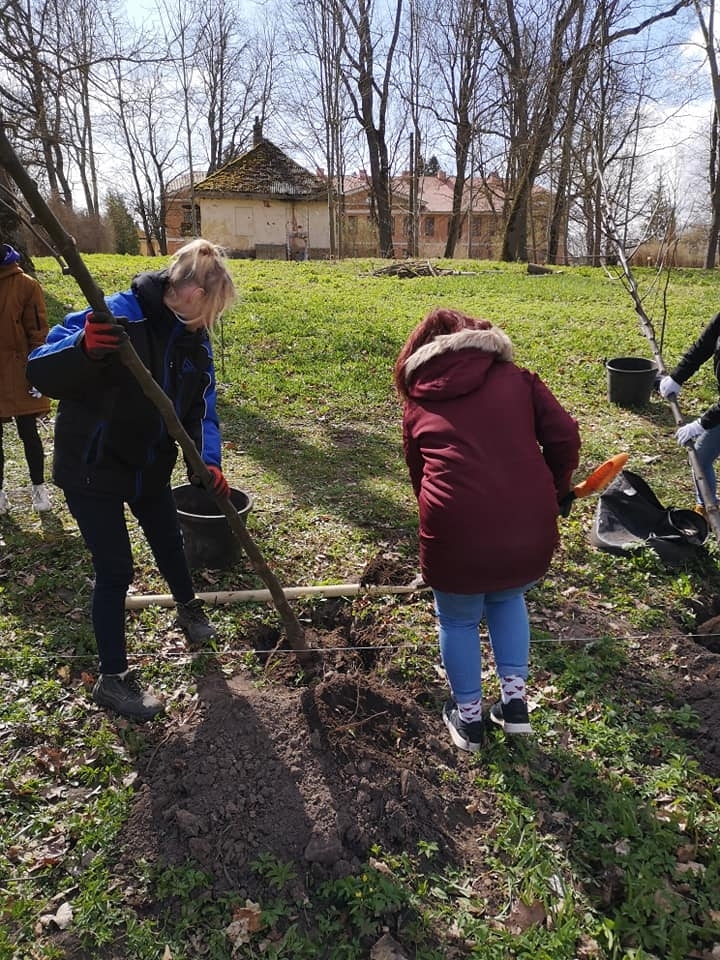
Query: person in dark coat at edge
23,326
490,452
112,446
705,430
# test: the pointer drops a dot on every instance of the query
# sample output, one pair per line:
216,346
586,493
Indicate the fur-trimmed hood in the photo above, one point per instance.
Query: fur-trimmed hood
448,365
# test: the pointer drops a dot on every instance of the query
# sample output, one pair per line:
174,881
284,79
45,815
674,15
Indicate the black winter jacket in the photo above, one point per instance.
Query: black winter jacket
109,437
707,345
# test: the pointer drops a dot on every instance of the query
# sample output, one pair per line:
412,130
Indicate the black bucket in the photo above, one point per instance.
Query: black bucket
630,380
208,537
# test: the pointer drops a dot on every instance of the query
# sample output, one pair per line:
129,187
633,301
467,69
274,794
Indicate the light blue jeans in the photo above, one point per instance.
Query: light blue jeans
459,617
707,449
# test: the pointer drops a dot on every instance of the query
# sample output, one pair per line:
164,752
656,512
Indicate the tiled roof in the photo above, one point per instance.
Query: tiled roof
435,193
263,170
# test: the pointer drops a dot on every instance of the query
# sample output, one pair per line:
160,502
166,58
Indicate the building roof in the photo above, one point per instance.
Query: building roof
435,193
264,170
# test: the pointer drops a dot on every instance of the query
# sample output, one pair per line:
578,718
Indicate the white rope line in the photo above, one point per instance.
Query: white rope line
420,644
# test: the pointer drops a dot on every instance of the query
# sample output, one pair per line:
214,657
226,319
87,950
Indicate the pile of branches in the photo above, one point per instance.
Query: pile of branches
406,269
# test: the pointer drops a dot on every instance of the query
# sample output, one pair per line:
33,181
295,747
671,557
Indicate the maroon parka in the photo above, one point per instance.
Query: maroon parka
490,450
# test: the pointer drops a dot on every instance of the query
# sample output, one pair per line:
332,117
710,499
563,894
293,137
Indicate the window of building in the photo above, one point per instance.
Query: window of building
429,226
186,226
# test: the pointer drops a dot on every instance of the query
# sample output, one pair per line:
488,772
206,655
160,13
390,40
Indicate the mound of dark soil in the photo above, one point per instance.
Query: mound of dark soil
317,775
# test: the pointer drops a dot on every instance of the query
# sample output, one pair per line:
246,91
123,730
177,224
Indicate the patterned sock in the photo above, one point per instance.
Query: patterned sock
512,688
470,712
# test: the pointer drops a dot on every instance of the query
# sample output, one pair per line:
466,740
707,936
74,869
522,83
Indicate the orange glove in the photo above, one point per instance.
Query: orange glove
102,338
218,484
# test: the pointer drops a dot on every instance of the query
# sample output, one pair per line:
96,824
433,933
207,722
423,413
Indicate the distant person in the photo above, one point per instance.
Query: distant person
490,452
23,327
705,430
112,446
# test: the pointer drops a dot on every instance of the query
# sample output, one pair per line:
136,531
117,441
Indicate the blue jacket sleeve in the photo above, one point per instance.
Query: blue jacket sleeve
204,415
60,368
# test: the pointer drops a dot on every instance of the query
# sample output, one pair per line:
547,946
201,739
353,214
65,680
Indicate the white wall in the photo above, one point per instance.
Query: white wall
242,224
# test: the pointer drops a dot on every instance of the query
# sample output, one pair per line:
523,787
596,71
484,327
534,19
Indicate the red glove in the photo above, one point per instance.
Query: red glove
102,337
218,484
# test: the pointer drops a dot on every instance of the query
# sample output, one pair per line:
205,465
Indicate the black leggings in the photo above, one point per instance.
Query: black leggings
104,529
32,444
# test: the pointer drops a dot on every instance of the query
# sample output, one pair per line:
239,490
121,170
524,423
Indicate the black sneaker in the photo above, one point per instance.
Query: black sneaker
125,696
511,716
193,621
466,736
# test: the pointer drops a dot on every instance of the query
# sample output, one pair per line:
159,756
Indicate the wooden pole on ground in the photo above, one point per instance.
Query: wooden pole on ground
136,601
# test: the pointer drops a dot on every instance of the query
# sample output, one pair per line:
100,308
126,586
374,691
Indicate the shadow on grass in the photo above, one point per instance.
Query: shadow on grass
624,847
47,570
343,473
244,807
626,805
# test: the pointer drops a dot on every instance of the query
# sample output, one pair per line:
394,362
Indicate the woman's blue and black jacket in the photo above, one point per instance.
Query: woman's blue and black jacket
110,439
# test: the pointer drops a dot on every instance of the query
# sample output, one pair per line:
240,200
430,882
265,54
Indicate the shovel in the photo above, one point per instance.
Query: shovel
595,482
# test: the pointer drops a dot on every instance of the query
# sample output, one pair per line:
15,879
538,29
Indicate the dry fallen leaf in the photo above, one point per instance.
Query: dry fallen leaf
690,867
62,918
246,921
525,915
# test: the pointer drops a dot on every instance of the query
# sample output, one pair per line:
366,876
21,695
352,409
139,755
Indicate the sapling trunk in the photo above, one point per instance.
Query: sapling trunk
711,510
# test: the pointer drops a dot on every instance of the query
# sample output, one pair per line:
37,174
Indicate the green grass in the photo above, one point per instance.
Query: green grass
588,830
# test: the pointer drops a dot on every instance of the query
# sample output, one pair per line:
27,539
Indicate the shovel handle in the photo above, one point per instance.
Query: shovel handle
601,476
595,482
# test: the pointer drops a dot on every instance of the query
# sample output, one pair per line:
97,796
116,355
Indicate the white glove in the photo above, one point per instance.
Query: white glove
690,431
669,387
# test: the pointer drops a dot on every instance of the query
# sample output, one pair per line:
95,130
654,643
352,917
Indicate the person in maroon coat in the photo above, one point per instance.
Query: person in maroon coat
490,452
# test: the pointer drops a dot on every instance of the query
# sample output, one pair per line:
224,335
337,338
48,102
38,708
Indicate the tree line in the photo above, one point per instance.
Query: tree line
108,107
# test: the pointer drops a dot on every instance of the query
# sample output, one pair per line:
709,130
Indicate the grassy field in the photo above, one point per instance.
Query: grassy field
311,428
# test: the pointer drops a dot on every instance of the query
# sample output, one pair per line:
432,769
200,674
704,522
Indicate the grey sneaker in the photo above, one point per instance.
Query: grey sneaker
125,696
512,716
193,621
40,496
466,736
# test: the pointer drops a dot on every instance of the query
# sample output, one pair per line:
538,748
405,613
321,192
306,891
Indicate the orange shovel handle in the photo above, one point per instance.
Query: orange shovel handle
601,476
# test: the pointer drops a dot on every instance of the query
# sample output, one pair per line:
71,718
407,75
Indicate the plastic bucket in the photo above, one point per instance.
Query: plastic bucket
630,380
207,535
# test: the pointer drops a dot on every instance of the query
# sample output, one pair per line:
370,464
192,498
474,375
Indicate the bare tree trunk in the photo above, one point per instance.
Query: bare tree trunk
706,19
463,137
714,176
10,227
363,86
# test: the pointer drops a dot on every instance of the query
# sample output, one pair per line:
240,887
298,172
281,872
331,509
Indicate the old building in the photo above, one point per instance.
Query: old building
481,228
263,204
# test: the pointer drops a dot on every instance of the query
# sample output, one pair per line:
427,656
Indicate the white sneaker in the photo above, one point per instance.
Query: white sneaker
4,502
40,497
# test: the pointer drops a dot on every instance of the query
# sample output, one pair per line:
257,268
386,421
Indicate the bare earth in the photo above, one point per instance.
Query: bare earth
318,774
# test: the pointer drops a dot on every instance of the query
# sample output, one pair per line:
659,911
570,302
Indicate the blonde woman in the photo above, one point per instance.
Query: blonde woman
112,446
